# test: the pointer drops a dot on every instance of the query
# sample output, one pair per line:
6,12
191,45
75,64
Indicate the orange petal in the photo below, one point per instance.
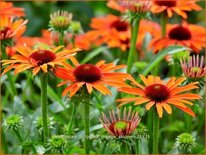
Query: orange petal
149,105
89,87
36,70
44,67
101,88
159,109
67,89
187,110
144,79
167,108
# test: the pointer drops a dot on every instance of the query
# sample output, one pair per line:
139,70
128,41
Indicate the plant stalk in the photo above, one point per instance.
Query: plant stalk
18,135
86,125
134,33
155,132
44,81
163,22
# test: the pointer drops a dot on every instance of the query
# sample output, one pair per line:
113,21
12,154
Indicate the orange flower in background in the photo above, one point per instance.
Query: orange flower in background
174,6
105,26
10,29
145,27
46,38
156,92
189,35
92,76
116,33
7,9
37,59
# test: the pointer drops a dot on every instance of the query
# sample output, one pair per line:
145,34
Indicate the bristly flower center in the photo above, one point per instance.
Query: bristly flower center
87,73
180,33
157,92
166,3
119,25
41,57
120,126
195,69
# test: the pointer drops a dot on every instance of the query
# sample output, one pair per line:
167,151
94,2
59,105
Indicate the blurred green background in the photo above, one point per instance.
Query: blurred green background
38,13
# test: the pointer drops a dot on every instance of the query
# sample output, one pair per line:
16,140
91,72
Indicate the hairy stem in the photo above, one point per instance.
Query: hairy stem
44,80
155,132
134,33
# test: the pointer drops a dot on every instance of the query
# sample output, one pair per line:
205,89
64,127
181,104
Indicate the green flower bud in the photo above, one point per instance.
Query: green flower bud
60,21
57,144
185,142
13,122
76,27
39,123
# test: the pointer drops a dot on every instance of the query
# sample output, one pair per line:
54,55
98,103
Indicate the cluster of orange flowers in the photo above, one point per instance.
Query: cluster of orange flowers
115,33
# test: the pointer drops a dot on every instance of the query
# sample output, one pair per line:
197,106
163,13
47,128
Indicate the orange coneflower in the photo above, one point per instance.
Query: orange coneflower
188,35
194,67
7,9
103,27
37,59
92,76
145,27
120,124
10,29
162,95
178,6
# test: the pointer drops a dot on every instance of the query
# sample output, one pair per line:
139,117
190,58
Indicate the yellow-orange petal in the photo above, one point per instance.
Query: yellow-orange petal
149,105
89,87
36,70
167,108
159,109
44,67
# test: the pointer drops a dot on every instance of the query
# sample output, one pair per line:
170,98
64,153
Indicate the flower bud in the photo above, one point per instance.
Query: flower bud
13,122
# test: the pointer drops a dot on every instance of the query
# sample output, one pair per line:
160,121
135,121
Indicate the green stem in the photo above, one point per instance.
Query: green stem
11,81
86,100
124,148
61,38
149,126
18,135
155,132
163,22
134,33
137,147
4,144
44,80
73,41
104,146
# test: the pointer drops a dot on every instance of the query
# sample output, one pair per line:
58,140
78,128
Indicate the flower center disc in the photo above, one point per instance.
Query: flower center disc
157,92
87,73
41,57
166,3
119,25
195,69
121,126
180,33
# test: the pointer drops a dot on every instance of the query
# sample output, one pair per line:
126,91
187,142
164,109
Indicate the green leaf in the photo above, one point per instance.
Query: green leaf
39,149
93,54
169,50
